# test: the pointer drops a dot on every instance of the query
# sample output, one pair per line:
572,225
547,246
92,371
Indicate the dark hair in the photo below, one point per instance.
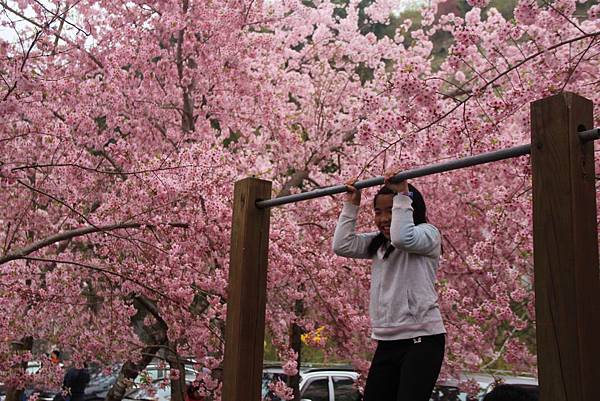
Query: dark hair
419,217
510,392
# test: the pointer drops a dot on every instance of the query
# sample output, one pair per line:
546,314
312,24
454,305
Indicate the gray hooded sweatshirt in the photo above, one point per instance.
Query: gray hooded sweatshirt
403,300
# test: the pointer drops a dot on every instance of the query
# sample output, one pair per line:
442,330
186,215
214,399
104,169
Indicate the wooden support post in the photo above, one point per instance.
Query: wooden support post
247,292
567,275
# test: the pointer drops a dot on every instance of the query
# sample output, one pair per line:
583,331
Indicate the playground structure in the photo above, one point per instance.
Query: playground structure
566,266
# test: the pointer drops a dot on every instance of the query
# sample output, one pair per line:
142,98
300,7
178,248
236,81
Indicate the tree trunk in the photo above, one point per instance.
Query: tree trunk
128,373
155,336
296,344
177,385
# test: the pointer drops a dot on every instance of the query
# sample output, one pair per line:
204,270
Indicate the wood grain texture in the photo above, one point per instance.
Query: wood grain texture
567,275
245,326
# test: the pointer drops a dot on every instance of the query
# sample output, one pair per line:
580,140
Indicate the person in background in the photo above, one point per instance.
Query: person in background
74,384
55,356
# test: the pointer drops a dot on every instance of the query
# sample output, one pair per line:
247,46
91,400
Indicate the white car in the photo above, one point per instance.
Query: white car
331,384
338,385
160,391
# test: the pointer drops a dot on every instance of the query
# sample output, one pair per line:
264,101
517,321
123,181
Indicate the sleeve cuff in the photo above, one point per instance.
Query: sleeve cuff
350,209
402,201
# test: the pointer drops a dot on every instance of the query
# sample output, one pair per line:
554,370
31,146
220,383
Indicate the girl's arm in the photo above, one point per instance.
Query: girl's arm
345,240
424,239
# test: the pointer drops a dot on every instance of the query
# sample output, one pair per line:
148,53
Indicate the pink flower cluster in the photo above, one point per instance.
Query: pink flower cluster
124,130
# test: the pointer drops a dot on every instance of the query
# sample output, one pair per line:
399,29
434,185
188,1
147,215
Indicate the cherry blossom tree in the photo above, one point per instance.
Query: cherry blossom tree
125,125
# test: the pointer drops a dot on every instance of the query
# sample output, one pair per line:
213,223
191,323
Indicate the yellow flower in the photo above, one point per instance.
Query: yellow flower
314,337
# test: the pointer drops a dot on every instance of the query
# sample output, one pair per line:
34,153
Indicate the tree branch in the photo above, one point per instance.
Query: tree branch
102,153
45,27
96,170
70,234
295,181
480,89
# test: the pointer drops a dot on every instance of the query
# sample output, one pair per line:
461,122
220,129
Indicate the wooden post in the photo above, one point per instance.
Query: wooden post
567,275
247,292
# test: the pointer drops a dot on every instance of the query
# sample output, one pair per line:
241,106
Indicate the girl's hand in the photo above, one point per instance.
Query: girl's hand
352,195
399,187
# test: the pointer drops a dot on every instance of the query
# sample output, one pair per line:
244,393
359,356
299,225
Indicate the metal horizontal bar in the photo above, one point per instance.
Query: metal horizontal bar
590,135
469,161
414,173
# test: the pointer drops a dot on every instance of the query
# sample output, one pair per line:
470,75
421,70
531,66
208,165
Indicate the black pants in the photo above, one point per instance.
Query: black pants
405,370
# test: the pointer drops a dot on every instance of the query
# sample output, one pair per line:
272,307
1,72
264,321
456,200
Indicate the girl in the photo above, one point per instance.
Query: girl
405,317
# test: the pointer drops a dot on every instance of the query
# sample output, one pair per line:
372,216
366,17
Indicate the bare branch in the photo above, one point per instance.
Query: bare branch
310,223
573,69
70,234
102,270
102,153
46,27
60,28
109,172
295,181
488,83
61,17
31,46
569,20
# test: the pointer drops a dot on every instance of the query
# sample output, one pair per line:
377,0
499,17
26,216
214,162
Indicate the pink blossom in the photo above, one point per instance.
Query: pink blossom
174,374
281,390
526,12
149,117
478,3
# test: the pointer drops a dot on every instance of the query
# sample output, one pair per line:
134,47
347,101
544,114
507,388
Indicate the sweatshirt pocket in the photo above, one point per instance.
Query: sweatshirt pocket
395,309
421,303
412,304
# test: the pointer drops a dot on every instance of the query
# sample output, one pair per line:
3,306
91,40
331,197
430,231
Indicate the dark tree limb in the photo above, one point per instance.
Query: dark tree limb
70,234
155,336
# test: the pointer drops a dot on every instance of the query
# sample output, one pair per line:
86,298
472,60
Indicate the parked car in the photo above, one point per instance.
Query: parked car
339,385
102,380
323,384
159,391
527,383
32,368
448,390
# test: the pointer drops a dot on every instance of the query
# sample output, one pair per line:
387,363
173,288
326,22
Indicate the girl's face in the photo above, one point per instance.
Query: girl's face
383,213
